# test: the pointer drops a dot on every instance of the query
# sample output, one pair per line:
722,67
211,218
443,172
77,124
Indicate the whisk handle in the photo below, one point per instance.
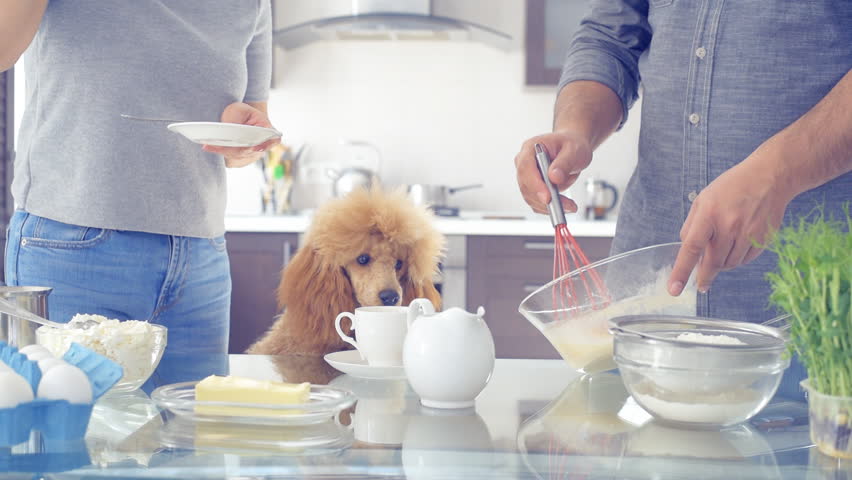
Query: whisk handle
554,208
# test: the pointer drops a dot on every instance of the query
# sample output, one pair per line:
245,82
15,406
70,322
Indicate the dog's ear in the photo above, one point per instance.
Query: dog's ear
314,292
427,289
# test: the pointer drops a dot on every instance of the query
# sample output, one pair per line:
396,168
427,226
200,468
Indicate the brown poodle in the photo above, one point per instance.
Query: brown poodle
365,249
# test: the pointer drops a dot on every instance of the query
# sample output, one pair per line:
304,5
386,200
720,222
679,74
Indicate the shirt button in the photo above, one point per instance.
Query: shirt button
692,195
700,52
694,118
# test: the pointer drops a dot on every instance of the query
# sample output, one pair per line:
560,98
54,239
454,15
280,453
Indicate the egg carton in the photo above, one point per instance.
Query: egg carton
56,420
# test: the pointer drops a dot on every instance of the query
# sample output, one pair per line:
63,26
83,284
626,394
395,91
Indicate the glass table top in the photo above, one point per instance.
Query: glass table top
535,419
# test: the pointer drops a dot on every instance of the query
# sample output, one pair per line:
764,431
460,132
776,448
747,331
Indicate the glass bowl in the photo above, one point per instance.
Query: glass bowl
576,322
135,345
724,380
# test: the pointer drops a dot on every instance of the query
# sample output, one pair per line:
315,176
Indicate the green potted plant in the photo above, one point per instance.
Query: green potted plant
812,283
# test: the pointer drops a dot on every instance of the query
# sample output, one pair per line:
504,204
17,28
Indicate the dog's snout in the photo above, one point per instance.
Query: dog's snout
389,297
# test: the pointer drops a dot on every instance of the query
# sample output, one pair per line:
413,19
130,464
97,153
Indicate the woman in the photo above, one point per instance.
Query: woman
122,217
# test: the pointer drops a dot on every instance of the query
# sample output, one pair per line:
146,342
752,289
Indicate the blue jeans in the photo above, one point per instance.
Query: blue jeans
180,282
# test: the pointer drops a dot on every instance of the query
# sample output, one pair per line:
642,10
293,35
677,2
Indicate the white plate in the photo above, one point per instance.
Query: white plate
224,134
323,404
350,362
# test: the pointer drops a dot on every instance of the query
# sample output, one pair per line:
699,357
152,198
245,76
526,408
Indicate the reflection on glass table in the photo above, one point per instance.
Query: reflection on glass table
594,426
535,419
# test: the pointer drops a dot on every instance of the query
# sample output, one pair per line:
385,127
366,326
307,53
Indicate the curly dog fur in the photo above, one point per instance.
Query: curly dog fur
367,248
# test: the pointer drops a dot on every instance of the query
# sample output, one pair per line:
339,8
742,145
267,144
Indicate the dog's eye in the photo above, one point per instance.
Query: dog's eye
398,265
363,259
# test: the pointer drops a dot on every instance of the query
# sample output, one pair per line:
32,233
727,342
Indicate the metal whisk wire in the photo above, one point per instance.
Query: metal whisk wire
567,255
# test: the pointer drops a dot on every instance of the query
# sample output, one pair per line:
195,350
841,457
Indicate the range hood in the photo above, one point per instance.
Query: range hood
300,22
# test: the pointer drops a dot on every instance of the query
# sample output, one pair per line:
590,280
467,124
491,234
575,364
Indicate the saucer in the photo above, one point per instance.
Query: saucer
224,134
350,362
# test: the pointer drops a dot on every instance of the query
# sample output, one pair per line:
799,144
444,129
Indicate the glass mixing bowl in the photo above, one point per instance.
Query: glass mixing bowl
698,372
137,349
576,323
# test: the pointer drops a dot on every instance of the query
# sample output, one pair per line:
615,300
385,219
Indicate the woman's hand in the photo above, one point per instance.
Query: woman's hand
245,114
569,154
743,205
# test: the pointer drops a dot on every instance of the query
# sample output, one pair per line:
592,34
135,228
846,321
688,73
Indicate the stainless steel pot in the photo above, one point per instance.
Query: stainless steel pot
434,195
18,331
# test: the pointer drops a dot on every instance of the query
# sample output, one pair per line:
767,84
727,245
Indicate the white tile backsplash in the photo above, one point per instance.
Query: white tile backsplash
451,113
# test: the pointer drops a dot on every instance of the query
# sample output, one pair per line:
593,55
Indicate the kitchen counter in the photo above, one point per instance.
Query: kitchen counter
467,223
535,419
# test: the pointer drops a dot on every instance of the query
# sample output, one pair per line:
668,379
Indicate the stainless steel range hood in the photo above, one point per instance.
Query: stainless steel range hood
300,22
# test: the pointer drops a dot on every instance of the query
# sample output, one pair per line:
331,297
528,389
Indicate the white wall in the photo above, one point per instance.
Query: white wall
451,113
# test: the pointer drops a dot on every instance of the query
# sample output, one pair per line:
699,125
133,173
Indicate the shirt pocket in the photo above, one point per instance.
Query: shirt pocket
43,232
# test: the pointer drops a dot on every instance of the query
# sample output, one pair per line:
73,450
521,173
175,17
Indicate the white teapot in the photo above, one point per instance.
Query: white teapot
448,356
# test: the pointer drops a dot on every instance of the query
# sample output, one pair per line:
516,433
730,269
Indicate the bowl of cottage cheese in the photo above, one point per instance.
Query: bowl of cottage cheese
137,346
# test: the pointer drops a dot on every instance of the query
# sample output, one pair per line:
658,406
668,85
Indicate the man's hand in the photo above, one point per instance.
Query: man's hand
748,201
569,155
744,204
586,113
245,114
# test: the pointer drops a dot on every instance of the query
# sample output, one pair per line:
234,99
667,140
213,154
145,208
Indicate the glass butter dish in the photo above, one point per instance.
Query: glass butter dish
324,403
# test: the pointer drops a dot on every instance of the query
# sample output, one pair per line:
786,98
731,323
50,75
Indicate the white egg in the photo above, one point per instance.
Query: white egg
65,382
47,363
14,390
38,355
32,349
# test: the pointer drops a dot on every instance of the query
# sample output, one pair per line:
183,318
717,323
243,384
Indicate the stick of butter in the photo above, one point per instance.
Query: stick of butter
247,390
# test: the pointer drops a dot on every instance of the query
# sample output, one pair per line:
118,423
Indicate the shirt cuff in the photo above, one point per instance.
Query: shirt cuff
598,66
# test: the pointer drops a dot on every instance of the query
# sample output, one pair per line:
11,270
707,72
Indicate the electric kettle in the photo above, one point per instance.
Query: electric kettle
597,203
361,171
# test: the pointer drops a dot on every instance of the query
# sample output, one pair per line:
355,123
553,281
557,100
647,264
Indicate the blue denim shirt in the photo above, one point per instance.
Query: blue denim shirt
717,79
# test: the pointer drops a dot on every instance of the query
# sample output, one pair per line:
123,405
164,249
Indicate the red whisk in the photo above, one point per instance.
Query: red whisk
568,256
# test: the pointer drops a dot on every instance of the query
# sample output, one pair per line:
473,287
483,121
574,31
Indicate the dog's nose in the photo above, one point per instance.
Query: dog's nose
389,297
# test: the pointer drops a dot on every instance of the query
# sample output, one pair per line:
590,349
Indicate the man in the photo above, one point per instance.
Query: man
746,123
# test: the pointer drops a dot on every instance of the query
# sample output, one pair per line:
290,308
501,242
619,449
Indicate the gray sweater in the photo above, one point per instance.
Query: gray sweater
80,162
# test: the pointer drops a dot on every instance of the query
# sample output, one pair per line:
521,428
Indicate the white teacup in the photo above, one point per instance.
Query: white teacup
381,333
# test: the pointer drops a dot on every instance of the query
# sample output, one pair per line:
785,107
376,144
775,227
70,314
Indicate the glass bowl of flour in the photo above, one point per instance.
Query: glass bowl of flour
137,346
698,372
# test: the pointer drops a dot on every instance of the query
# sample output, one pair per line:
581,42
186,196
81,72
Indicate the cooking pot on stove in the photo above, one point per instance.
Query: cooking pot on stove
434,195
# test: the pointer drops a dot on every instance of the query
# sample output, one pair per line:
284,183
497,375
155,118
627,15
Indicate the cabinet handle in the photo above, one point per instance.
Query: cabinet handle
538,245
288,252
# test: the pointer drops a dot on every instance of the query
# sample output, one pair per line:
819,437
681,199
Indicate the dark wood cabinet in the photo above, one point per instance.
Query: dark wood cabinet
256,263
549,28
501,272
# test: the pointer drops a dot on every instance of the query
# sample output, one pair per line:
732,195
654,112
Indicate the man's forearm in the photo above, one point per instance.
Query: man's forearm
18,25
817,147
588,108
